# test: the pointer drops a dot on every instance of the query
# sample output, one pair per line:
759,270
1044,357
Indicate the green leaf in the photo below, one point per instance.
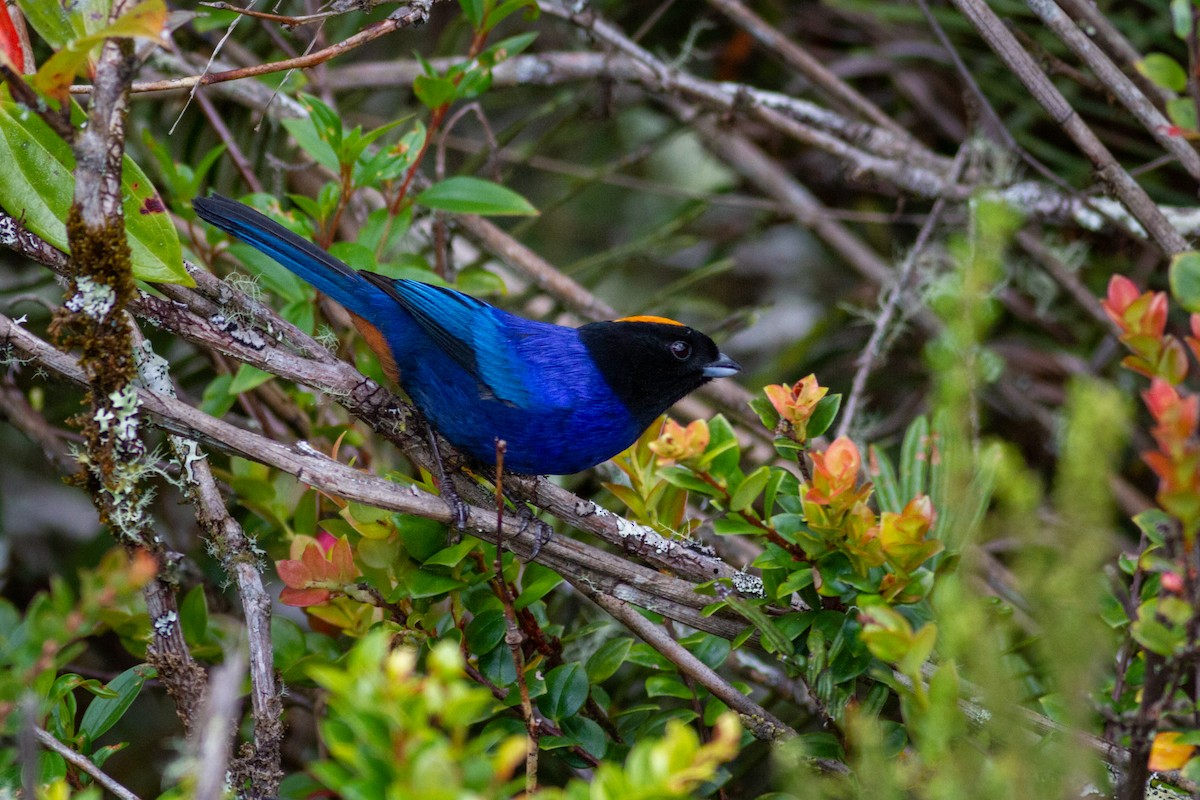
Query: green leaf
145,20
104,712
587,733
466,195
668,686
509,47
823,415
37,186
914,460
1155,523
377,553
566,691
509,6
434,91
451,556
685,479
772,637
820,745
766,412
883,474
1185,280
287,642
473,11
1157,637
422,537
193,614
479,281
248,378
486,631
217,400
59,26
712,650
750,489
723,453
605,662
1163,71
305,132
735,524
1181,18
420,583
1182,112
536,583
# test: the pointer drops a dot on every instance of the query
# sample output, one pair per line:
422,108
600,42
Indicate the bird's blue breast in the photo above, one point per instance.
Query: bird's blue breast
534,386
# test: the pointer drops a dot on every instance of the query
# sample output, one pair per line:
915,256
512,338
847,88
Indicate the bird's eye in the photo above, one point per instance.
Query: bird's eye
681,350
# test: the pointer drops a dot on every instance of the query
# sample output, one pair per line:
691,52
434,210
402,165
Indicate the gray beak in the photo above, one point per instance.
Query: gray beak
723,367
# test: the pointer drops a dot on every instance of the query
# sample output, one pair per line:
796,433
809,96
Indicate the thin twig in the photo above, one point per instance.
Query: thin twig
84,764
762,723
1134,197
1089,16
416,13
807,65
512,633
893,300
215,729
293,21
1116,82
260,764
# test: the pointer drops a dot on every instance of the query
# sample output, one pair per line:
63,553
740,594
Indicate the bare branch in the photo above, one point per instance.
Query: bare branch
84,764
1001,40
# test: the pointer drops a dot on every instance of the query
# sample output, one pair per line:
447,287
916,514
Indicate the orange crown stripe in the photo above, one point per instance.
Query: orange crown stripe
659,320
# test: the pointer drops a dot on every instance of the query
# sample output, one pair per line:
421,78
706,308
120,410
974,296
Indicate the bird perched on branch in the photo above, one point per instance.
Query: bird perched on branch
564,399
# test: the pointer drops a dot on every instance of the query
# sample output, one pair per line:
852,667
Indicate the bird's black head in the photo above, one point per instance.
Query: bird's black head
651,362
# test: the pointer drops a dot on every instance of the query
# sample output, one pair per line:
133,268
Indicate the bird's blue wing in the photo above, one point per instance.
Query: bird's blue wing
480,337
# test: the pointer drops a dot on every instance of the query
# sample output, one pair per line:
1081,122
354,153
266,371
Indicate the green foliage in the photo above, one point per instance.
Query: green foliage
467,195
36,647
400,728
1185,280
39,185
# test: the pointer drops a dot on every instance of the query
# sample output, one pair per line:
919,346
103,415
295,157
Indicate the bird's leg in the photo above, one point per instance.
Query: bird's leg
458,508
524,512
542,533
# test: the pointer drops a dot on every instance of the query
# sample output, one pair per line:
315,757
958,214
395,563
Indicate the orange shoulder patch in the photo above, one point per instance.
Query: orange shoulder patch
659,320
379,345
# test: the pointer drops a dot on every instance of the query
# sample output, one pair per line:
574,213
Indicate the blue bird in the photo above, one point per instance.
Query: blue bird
563,399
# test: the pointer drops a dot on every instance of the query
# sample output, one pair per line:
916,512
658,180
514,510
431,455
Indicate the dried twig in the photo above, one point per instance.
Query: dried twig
1001,40
895,296
1118,84
84,764
807,65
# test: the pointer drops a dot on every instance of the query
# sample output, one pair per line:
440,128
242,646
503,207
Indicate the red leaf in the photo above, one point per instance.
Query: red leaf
295,574
314,559
303,597
10,43
343,561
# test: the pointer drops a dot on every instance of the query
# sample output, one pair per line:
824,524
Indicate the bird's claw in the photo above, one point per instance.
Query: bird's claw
459,510
542,534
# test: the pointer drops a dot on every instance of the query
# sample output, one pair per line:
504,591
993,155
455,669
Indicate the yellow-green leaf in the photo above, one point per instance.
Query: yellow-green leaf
467,195
145,20
1185,280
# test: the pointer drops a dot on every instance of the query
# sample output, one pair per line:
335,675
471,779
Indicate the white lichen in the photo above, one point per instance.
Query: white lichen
125,404
8,232
154,371
163,624
745,583
91,299
231,327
